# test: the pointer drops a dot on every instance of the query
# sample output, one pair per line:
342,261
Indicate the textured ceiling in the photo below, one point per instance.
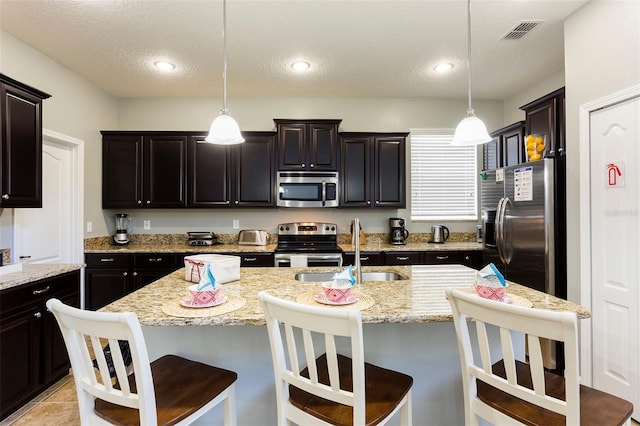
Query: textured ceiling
358,48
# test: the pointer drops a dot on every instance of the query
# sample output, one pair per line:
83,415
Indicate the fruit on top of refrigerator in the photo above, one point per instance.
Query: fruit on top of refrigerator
535,147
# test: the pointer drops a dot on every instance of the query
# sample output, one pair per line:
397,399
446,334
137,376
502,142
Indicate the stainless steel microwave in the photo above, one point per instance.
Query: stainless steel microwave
307,189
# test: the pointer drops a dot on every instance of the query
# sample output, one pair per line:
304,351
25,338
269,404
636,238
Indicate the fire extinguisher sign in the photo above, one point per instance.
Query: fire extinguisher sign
615,174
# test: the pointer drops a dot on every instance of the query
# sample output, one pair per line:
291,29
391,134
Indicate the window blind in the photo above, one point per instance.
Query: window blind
443,178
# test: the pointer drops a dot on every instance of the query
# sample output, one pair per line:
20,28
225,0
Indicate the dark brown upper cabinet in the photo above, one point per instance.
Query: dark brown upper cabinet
506,148
307,144
21,151
143,169
232,176
373,169
546,116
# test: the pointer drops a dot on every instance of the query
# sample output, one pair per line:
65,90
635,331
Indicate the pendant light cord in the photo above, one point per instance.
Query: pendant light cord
224,57
470,110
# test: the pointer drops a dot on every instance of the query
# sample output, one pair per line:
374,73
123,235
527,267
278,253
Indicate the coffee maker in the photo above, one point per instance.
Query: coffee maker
398,234
123,227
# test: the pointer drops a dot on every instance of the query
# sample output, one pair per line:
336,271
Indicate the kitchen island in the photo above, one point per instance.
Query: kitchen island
409,328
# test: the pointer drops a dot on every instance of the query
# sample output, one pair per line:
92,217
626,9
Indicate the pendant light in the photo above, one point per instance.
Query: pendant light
471,130
224,129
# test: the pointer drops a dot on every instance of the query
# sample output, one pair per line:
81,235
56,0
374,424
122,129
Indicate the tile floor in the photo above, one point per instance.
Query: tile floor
56,405
59,405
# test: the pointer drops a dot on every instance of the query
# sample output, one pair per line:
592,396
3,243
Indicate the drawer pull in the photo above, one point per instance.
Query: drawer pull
442,257
107,259
403,258
41,291
124,274
37,315
250,259
25,257
157,259
364,258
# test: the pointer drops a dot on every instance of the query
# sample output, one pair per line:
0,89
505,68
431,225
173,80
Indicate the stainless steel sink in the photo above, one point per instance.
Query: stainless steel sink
366,276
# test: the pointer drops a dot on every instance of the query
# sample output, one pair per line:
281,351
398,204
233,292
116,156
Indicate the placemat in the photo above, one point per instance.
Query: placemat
175,309
364,301
515,300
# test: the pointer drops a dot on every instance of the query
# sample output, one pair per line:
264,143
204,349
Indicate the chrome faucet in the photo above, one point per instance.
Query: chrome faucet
356,242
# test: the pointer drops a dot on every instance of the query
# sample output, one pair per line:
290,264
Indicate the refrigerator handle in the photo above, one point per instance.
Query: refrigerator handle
506,258
500,229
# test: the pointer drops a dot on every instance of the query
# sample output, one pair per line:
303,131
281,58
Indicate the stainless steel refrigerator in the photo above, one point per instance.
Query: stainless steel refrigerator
524,225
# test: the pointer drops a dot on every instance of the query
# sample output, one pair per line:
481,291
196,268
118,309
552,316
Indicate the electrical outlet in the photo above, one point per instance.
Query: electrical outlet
89,226
147,224
236,223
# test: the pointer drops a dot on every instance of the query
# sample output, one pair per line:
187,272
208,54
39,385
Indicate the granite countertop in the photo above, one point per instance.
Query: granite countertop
35,272
419,299
270,248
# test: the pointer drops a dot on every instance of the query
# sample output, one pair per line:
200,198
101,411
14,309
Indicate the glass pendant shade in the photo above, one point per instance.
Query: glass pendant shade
471,131
224,131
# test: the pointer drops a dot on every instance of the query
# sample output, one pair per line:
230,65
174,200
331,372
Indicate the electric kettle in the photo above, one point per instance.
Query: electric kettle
439,234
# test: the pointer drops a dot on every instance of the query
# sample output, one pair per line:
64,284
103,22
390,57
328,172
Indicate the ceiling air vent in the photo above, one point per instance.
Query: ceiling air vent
520,30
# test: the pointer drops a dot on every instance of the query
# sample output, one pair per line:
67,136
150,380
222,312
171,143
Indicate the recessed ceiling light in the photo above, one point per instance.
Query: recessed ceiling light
300,66
164,65
443,67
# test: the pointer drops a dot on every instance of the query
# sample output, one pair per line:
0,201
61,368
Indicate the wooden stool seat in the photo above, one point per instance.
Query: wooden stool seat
122,387
182,387
596,408
384,389
513,392
320,374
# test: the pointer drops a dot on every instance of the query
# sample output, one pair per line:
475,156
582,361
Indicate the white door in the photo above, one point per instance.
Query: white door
615,249
43,235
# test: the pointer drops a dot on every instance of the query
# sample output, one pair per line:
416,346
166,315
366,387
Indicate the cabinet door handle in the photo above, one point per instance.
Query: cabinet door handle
302,165
124,274
368,202
442,257
250,259
237,202
148,202
41,291
402,258
312,165
107,259
5,196
364,258
377,201
139,201
37,315
135,274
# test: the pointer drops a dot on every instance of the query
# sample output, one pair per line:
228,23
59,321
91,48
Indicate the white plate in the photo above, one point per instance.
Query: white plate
187,303
322,298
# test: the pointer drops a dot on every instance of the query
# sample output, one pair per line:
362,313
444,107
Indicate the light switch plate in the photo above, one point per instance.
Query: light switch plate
236,223
147,224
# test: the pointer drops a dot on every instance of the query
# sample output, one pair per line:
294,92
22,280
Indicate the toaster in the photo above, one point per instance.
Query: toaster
253,237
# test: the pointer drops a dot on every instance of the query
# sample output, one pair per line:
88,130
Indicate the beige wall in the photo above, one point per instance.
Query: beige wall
76,108
602,56
512,111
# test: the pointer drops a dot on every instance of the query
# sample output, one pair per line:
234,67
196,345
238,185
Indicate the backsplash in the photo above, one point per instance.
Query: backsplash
5,259
177,239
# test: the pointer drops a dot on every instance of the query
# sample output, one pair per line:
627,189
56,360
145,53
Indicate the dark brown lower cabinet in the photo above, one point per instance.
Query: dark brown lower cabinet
367,258
32,351
467,258
109,277
403,258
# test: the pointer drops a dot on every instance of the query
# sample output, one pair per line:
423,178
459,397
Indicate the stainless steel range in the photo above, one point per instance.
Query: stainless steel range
315,242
